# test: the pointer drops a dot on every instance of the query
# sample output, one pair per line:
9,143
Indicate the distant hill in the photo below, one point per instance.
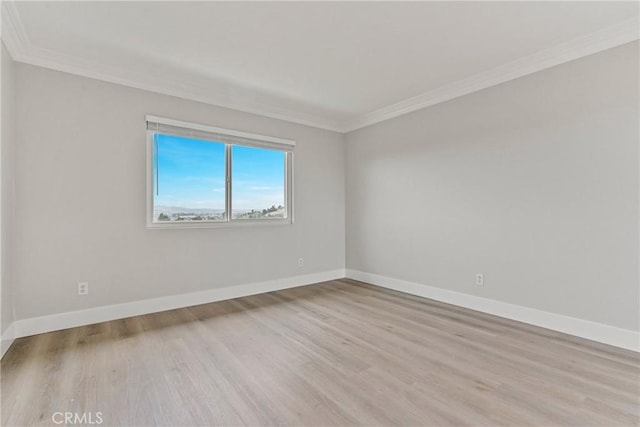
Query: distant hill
179,213
173,210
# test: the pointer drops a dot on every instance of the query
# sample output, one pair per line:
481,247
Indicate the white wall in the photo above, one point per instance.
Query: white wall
6,210
533,183
80,201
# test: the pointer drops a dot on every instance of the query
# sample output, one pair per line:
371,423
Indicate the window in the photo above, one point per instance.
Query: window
201,176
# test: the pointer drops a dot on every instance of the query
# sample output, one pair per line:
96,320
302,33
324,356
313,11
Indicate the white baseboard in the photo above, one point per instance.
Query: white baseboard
600,332
582,328
54,322
7,339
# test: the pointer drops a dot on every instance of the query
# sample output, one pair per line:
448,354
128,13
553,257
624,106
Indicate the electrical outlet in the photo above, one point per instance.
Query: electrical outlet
83,288
300,262
480,279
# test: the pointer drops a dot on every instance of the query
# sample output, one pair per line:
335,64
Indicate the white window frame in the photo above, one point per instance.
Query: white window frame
229,138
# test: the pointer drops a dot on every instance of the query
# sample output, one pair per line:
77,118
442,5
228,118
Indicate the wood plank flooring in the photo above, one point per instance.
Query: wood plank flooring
331,354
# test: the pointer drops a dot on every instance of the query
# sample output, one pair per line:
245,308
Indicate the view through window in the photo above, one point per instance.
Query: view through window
258,181
197,179
189,179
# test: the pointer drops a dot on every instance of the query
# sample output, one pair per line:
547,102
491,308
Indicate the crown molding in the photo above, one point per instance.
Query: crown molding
607,38
23,50
13,34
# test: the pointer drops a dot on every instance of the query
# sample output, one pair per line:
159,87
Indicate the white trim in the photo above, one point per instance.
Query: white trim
233,223
7,339
578,327
607,38
13,33
54,322
600,332
228,221
212,129
23,50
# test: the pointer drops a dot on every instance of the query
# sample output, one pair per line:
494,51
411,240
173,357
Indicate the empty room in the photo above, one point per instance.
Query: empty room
320,213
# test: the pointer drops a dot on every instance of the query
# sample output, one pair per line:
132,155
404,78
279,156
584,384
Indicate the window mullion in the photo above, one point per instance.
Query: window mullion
228,182
258,165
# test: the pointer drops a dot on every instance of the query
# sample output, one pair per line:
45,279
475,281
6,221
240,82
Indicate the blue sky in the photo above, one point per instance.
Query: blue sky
191,174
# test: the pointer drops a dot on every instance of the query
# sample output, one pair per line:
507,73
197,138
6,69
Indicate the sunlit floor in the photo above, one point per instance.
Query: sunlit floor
335,353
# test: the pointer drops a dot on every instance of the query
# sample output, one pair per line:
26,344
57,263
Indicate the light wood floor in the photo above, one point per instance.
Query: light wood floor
337,353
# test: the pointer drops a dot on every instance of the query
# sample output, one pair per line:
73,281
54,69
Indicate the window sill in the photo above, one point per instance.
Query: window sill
219,224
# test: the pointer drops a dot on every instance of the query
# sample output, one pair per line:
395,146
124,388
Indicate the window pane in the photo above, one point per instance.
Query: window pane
258,183
189,179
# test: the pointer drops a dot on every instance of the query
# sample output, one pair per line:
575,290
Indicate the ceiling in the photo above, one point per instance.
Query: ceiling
334,65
